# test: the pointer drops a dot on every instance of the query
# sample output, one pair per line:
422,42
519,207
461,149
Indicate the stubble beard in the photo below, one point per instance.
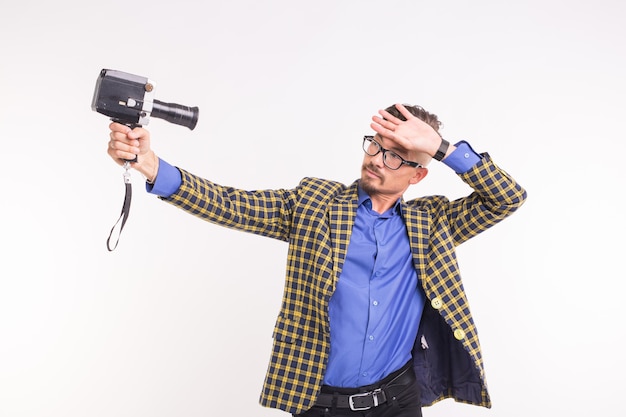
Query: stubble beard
370,185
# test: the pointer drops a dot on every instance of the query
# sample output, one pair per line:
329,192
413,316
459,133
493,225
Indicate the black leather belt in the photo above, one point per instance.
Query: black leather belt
373,395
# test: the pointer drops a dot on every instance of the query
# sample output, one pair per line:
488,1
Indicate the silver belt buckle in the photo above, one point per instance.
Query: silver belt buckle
374,395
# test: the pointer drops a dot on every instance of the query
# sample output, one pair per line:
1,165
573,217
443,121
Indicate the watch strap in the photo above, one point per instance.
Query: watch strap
443,148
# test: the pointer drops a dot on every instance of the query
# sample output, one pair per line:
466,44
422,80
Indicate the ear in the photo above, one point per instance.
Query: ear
420,174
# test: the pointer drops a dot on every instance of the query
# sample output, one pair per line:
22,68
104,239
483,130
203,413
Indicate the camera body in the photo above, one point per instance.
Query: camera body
129,99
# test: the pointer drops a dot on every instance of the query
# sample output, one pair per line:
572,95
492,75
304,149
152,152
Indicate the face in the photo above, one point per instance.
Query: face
379,180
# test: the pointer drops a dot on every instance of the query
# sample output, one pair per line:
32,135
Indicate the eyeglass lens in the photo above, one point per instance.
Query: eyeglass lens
390,159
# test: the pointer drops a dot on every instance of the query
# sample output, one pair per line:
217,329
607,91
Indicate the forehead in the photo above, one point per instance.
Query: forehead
389,144
401,152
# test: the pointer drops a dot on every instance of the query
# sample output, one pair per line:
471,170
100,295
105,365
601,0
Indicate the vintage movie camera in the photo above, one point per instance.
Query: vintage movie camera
129,99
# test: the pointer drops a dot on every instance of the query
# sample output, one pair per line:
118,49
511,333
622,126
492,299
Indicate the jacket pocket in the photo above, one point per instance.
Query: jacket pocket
287,330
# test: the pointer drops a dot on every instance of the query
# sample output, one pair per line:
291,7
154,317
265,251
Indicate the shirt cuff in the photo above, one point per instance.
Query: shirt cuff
167,181
463,158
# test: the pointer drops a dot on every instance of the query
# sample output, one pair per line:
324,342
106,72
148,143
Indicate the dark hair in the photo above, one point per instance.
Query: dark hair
418,112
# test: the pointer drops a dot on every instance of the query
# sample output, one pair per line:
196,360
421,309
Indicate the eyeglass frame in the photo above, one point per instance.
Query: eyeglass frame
384,151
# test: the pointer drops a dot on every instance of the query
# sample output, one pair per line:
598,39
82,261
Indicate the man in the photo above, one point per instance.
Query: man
374,319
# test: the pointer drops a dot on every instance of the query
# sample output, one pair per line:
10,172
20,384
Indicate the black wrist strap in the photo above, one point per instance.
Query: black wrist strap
125,209
127,196
443,148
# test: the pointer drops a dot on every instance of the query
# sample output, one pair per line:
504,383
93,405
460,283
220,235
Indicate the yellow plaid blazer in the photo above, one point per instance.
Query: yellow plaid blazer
316,219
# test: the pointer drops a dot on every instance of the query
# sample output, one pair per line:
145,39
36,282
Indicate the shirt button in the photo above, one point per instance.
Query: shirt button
371,337
466,155
375,302
459,334
436,303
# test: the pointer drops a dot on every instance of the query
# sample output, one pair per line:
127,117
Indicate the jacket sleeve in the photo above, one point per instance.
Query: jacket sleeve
496,196
262,212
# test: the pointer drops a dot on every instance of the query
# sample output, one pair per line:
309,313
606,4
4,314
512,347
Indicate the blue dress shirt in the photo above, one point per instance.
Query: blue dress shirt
376,292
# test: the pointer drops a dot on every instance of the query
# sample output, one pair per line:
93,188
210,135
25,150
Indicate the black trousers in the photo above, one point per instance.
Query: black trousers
401,400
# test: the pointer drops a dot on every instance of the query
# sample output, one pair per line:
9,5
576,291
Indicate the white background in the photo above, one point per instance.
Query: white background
177,321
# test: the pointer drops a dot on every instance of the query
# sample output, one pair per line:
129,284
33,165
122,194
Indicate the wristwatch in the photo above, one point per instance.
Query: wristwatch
443,148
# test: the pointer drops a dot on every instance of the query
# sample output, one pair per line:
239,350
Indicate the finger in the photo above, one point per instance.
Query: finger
120,155
123,138
118,127
385,123
118,136
124,144
113,154
138,133
389,117
404,111
382,131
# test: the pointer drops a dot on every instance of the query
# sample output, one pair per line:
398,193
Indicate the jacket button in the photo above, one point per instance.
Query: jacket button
459,334
436,303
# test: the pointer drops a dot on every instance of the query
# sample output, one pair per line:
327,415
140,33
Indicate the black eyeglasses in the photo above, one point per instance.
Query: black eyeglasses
391,159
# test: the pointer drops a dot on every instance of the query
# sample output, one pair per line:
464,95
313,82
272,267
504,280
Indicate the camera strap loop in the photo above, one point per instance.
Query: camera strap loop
125,208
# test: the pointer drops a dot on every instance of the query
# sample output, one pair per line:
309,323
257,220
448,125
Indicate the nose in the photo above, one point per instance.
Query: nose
378,159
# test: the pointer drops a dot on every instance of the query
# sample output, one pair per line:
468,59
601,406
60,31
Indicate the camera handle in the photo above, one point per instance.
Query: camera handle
132,126
127,196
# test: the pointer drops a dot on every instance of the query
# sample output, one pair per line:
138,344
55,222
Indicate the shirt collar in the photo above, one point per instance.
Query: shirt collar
364,199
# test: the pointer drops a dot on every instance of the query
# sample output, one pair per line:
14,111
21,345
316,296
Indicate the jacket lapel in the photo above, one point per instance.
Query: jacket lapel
418,228
341,215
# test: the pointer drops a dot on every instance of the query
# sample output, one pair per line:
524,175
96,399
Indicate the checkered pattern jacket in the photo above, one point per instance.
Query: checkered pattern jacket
316,219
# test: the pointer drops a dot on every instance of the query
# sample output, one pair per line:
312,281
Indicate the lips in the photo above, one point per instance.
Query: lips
371,171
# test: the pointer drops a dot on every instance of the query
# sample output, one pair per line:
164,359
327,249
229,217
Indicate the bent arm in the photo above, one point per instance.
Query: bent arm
496,196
